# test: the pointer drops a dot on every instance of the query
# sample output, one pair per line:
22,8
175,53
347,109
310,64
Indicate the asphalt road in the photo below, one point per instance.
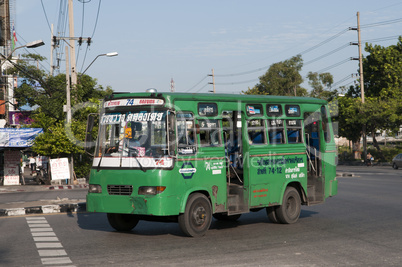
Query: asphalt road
361,226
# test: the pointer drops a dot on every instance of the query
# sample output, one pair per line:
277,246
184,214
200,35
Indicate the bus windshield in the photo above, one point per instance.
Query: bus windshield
133,134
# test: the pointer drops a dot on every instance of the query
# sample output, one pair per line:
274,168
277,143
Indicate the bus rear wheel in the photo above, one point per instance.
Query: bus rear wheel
271,212
197,217
290,209
122,222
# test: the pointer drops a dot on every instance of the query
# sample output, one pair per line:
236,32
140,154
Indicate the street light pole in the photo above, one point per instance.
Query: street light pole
112,54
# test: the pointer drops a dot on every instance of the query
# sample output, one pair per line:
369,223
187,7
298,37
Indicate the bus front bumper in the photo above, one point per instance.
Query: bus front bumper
140,205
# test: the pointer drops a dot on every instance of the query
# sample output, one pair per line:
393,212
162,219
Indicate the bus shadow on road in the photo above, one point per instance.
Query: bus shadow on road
99,222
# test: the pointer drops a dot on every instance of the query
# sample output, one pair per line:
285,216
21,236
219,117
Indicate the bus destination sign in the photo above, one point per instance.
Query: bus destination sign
133,102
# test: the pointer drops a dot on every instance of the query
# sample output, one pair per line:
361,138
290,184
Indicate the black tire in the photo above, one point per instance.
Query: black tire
122,222
290,209
271,212
197,217
395,166
225,217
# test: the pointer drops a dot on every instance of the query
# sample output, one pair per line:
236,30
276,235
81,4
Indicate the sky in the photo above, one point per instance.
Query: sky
183,40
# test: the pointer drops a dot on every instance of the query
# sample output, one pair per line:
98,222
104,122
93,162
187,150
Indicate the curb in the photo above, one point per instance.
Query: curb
57,187
45,209
344,174
29,188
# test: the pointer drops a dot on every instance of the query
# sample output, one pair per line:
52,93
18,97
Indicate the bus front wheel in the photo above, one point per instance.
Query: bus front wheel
290,209
197,217
122,222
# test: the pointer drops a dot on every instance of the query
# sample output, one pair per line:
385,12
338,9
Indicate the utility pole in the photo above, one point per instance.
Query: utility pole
360,57
72,43
359,43
52,44
213,80
68,104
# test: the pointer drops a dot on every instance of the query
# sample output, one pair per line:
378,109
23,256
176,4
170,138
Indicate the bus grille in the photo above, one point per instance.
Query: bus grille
120,190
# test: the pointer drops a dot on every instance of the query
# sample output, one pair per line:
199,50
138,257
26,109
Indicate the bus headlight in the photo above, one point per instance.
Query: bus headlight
151,190
95,188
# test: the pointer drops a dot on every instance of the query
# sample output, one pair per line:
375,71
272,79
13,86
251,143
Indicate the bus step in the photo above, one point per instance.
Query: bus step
311,193
236,204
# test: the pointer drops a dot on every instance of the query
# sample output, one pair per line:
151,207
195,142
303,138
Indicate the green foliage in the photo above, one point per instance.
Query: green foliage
48,94
321,83
382,70
282,78
382,109
387,152
349,118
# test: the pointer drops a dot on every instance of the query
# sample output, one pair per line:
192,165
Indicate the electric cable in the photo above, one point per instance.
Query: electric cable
327,54
96,21
334,65
44,11
201,88
197,84
381,23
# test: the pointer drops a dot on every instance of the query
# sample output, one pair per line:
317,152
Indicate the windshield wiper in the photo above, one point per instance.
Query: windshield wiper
100,160
135,155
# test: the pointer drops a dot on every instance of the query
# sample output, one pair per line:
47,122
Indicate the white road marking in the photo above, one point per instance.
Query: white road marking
42,229
49,245
49,248
58,260
45,239
38,225
44,234
52,252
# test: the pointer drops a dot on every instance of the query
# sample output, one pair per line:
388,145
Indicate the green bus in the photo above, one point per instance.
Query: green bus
189,158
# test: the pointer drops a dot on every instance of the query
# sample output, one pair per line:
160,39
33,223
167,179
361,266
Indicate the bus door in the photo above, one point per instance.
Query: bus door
237,199
314,150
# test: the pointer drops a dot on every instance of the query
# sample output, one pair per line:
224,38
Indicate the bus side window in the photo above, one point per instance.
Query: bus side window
186,134
256,131
294,131
209,133
325,124
276,132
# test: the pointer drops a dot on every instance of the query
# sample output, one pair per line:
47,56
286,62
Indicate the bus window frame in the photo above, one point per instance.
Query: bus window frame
215,106
217,131
274,115
290,114
186,147
261,114
298,127
325,124
256,128
276,129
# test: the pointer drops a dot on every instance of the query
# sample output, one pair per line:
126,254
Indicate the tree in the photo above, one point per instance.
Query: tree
282,78
382,110
321,83
48,94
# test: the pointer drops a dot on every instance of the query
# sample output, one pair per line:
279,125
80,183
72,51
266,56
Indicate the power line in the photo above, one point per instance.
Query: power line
349,76
382,39
381,23
324,42
241,82
202,88
44,11
327,54
197,84
301,53
334,65
97,16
